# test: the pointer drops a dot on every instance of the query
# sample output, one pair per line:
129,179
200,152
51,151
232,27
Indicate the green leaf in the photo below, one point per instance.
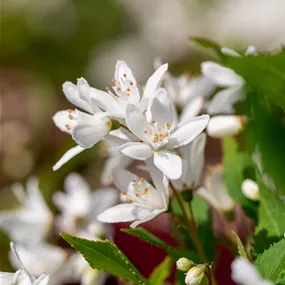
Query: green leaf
241,249
103,255
264,73
271,213
272,262
145,235
234,164
161,272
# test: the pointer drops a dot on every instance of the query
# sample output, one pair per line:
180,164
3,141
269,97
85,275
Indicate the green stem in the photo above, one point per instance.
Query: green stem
189,224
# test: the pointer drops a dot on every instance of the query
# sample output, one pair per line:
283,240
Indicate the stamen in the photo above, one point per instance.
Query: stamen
67,127
130,201
70,117
145,131
107,89
118,89
125,75
167,125
141,179
114,80
134,180
129,90
145,191
69,111
131,83
124,193
138,195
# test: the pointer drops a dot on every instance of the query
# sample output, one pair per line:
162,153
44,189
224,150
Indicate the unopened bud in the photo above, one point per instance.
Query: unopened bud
250,189
184,264
222,126
196,276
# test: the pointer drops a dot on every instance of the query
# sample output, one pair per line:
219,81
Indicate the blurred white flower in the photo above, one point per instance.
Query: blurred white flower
244,273
80,206
30,223
145,202
196,276
224,77
41,258
250,189
160,135
193,159
225,125
215,192
22,276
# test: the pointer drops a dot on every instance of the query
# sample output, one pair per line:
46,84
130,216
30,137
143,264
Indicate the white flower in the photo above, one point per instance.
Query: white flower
227,125
145,202
160,135
22,276
193,158
126,91
184,264
115,159
215,192
80,206
250,189
31,222
41,258
244,273
226,78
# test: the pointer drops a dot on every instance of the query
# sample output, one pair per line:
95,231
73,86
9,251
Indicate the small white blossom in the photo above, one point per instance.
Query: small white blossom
30,223
145,202
22,276
244,273
215,192
250,189
160,134
184,264
227,125
80,206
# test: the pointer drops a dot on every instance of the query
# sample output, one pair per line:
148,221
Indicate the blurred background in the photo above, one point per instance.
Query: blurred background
45,43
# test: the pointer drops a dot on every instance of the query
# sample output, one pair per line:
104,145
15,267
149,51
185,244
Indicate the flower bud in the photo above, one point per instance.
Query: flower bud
184,264
196,276
250,189
222,126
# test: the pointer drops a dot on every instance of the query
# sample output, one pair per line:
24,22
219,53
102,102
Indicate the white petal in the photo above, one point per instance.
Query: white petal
192,109
161,110
152,84
220,75
222,126
186,131
147,218
251,50
111,164
244,273
224,101
193,161
7,278
169,163
230,52
106,102
123,178
136,150
61,120
67,156
120,136
74,182
89,133
123,213
71,93
136,121
121,69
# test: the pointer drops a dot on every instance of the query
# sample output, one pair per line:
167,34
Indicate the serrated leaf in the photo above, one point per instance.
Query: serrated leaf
161,272
272,262
145,235
240,246
103,255
271,213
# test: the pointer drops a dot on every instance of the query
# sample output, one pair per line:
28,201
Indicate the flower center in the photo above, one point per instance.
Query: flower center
124,90
158,135
144,194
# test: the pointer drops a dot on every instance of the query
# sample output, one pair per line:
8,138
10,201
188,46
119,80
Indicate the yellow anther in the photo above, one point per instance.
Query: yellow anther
138,195
128,94
67,127
129,90
118,89
69,111
131,83
166,134
134,180
167,125
125,75
145,131
70,116
107,89
124,193
130,201
113,80
141,179
145,191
